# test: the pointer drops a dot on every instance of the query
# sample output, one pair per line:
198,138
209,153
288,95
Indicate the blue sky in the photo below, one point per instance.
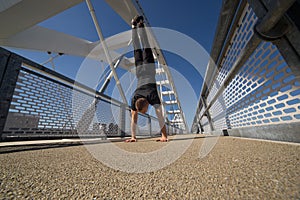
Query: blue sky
195,18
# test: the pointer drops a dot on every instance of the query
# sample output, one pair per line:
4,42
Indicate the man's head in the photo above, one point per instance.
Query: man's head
142,105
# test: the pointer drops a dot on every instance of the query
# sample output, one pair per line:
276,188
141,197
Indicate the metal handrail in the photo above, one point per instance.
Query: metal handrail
266,24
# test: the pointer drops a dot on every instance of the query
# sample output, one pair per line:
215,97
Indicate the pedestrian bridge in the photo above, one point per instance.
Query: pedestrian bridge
250,91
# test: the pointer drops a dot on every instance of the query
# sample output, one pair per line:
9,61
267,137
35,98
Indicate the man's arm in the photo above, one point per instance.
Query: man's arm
134,117
162,125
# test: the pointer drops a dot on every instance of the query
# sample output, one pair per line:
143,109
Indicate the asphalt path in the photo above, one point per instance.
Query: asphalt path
233,168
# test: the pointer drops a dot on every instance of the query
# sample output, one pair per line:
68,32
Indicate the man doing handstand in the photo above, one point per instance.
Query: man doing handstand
146,92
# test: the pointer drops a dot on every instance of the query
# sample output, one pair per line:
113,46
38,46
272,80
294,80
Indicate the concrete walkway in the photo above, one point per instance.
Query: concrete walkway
234,169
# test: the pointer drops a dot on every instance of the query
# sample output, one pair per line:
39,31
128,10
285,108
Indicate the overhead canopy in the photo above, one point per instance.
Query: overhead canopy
19,15
21,30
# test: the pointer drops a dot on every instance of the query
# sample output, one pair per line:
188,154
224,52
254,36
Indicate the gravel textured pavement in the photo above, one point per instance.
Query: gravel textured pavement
234,169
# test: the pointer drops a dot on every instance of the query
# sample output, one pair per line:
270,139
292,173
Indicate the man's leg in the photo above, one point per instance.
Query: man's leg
149,70
143,35
138,53
147,53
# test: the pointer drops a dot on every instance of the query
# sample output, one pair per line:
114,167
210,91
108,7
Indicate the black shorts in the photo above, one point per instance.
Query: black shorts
148,91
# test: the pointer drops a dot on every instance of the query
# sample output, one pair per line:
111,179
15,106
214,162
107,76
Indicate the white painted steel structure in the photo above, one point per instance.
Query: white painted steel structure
21,31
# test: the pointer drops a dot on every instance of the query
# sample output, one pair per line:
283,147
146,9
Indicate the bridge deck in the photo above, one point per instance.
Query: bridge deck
235,169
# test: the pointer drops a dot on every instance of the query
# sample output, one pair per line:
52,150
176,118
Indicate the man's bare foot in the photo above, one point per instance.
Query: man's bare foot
163,139
131,140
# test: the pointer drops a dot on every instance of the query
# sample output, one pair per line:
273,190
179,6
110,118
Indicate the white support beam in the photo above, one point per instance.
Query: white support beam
24,14
167,92
124,8
44,39
106,51
163,82
171,102
173,111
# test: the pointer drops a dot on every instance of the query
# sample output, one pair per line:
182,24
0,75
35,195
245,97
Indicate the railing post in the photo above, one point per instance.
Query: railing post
200,128
149,124
207,114
10,66
122,120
